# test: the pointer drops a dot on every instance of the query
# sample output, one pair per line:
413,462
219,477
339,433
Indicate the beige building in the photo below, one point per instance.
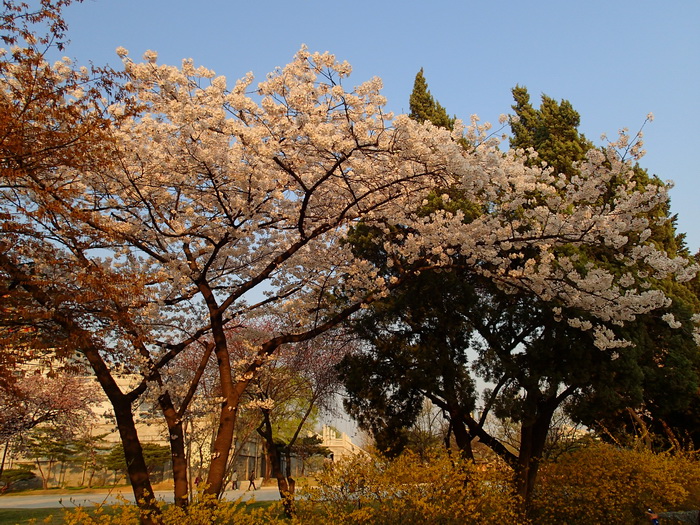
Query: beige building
339,443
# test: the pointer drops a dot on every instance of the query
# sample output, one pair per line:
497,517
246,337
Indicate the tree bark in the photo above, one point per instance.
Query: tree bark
133,453
4,457
227,418
285,484
136,464
176,438
533,437
463,438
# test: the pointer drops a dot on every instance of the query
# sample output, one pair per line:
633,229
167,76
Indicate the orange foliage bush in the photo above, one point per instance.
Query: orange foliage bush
596,484
602,483
438,490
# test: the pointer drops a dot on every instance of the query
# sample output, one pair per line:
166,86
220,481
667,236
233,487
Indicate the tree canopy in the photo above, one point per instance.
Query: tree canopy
424,107
433,338
147,211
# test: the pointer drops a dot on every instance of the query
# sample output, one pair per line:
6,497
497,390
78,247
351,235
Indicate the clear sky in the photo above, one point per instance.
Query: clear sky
614,60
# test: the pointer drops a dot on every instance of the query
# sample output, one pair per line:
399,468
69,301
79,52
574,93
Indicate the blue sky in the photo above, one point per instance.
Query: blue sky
615,60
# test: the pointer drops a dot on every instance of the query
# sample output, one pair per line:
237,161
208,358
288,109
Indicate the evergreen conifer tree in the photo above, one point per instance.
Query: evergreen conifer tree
665,357
425,108
551,130
426,341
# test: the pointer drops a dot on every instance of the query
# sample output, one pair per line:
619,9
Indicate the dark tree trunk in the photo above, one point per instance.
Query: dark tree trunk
176,437
133,453
285,484
533,438
136,464
463,438
4,456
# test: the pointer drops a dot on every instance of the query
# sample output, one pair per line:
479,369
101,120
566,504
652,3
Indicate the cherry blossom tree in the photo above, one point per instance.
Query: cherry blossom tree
149,232
182,205
213,195
295,384
61,401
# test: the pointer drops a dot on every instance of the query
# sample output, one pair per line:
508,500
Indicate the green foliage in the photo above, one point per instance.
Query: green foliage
156,457
417,344
602,483
14,475
48,443
308,446
114,460
425,108
551,130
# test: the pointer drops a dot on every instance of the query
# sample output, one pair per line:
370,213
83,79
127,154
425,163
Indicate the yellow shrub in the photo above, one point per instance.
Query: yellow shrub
373,490
205,510
597,484
605,484
361,490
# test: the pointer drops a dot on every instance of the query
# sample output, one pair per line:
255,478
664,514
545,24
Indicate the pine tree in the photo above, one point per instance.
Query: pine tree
666,358
551,130
425,108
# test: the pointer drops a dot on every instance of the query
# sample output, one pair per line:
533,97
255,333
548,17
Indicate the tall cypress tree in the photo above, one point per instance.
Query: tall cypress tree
425,108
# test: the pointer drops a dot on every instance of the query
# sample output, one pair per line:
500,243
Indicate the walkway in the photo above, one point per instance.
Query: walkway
29,500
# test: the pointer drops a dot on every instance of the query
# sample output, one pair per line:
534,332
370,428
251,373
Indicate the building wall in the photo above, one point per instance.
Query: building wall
339,443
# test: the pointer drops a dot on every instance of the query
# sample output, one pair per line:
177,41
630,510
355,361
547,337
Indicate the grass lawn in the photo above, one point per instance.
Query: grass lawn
25,516
22,516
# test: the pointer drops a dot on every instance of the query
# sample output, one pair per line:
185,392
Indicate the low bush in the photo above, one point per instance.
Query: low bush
13,477
439,489
595,484
205,510
601,483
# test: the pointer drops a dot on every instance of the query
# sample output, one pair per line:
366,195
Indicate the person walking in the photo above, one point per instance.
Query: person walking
251,479
234,480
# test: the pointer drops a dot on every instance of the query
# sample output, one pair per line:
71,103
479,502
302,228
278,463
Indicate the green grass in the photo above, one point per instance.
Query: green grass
52,516
22,516
25,516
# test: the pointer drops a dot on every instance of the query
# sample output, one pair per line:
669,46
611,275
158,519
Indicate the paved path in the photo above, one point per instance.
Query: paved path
35,501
